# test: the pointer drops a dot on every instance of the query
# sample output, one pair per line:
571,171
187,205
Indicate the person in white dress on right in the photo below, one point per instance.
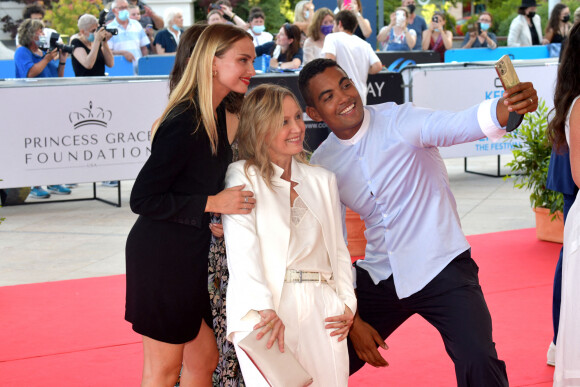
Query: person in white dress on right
564,129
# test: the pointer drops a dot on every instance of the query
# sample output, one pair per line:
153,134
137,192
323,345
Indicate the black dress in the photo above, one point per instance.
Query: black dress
98,69
167,248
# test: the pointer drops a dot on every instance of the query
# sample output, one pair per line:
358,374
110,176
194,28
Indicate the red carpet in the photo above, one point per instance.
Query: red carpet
72,333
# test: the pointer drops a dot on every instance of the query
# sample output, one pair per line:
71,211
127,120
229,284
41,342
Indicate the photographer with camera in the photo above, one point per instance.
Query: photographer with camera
37,58
435,37
91,52
478,35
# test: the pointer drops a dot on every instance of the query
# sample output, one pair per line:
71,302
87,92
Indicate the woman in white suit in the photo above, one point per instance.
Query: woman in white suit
526,28
290,271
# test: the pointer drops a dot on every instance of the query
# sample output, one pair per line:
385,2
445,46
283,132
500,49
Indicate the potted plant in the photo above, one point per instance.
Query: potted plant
530,166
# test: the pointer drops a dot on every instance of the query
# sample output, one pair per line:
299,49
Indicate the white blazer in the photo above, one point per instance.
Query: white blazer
520,35
257,243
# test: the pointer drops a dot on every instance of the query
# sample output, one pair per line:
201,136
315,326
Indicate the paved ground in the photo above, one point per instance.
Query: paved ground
58,241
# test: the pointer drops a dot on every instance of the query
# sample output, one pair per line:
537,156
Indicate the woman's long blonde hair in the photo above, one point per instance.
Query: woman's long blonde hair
261,118
195,86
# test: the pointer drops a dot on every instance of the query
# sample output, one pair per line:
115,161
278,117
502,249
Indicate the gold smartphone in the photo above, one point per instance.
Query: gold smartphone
508,77
506,72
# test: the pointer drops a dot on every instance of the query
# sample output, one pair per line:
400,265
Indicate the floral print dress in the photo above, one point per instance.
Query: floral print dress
227,373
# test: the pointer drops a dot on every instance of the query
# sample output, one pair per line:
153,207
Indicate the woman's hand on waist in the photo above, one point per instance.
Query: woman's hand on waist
271,322
341,323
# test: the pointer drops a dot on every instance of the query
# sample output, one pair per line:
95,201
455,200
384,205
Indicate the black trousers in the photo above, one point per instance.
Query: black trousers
454,304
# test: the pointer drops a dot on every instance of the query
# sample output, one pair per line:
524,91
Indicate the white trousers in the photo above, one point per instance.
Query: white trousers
303,308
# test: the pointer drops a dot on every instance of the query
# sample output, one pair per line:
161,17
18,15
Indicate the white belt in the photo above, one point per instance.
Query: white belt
302,276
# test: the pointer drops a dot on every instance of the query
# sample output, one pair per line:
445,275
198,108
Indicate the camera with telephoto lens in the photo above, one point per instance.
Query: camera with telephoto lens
53,43
103,20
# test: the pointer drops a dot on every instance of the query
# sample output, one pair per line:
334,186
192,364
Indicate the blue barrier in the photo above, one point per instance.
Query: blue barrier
7,68
122,68
487,54
156,64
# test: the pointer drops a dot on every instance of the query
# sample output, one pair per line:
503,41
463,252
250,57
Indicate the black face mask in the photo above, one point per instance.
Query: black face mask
411,8
566,19
531,14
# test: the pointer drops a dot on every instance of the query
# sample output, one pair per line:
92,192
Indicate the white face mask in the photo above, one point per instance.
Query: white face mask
41,42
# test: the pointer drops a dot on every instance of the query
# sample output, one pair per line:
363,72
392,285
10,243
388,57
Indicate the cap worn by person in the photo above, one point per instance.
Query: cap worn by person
528,3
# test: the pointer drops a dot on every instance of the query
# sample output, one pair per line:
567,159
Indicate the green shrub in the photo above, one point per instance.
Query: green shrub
64,15
532,159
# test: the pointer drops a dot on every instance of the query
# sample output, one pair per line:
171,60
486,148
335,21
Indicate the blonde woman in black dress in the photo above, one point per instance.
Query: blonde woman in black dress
178,187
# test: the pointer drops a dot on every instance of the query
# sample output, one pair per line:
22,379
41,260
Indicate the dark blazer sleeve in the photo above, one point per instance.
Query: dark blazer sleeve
154,194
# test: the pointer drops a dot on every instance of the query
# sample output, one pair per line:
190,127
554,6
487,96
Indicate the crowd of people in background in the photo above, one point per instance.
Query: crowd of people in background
314,34
141,31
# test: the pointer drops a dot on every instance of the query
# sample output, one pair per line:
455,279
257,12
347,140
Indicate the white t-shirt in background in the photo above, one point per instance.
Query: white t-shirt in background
354,55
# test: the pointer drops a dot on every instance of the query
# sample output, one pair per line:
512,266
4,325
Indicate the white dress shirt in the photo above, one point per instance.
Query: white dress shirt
391,173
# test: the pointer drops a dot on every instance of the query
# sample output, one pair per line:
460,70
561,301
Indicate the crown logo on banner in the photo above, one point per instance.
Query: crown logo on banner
89,116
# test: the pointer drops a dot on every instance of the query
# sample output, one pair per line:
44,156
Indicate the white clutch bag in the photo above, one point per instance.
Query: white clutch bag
280,369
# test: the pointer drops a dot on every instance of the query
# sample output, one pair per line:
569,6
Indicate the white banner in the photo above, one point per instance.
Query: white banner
459,88
77,133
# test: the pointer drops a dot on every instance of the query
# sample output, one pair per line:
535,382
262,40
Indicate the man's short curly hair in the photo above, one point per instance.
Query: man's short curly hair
32,9
312,69
27,30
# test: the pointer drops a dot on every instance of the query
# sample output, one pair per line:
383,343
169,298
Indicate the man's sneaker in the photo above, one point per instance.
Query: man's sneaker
38,193
113,184
71,185
58,189
551,354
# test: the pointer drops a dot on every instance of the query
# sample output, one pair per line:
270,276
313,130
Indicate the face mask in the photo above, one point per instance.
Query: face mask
259,29
175,27
123,14
411,8
566,19
41,42
91,37
484,26
326,29
306,14
531,14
